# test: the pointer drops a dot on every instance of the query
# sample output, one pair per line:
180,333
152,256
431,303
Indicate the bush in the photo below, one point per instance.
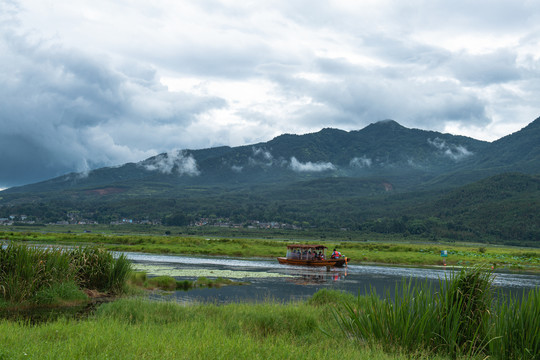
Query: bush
184,285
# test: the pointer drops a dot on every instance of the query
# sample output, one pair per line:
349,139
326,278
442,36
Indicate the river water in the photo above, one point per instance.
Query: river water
270,280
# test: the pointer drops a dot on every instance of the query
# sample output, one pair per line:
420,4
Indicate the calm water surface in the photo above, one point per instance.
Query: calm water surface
298,282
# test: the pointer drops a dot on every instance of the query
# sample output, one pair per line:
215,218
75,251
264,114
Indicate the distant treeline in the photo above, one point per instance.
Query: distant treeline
503,209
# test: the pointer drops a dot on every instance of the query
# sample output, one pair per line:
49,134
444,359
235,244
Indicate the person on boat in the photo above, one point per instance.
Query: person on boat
336,254
321,255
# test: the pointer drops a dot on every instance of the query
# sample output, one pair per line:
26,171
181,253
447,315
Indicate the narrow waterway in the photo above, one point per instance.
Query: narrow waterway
270,280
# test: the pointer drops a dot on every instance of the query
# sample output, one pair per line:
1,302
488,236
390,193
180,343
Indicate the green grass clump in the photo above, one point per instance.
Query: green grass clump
137,278
161,282
184,285
515,327
459,320
35,274
326,297
25,270
98,269
59,293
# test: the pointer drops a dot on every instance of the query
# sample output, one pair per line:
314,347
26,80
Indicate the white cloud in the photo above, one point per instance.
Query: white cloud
310,167
454,152
237,168
361,162
265,154
176,161
260,157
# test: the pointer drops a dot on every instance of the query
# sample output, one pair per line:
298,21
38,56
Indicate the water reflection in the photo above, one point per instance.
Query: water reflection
298,282
317,278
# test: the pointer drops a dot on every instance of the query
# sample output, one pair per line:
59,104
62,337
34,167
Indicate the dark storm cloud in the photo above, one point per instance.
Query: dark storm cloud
64,110
83,87
356,94
486,69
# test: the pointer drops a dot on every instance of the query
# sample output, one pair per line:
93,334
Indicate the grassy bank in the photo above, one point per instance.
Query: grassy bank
32,275
399,253
461,321
139,329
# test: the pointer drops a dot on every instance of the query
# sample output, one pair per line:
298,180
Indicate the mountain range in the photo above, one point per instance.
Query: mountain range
384,160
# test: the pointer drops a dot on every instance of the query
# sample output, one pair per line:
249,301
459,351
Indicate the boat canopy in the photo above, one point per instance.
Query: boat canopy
303,246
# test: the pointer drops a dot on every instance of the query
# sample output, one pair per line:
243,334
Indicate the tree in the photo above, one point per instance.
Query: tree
177,219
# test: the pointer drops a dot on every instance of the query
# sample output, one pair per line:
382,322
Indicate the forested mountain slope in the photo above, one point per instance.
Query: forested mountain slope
384,178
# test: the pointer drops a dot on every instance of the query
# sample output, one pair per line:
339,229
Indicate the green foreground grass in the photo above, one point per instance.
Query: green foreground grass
462,319
140,329
415,252
329,325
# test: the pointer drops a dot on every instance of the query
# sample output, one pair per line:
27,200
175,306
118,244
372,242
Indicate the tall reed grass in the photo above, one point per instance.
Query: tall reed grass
462,318
27,272
515,327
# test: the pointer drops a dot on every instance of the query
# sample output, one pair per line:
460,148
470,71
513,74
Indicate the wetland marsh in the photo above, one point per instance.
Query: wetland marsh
288,312
270,280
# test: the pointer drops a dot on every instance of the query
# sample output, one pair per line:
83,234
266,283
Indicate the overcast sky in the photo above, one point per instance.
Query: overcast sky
86,84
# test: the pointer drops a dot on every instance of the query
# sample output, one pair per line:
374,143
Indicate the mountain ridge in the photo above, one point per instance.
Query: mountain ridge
384,147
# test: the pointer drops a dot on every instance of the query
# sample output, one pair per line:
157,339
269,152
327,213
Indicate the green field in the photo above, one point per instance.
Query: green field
380,250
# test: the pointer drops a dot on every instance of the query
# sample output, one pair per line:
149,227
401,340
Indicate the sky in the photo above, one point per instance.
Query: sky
87,84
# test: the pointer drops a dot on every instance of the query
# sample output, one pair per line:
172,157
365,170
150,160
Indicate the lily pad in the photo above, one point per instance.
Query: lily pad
160,270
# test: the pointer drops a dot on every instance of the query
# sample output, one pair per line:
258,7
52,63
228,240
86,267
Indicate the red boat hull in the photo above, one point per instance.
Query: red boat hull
328,262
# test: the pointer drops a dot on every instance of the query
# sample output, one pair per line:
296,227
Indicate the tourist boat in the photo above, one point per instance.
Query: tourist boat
308,255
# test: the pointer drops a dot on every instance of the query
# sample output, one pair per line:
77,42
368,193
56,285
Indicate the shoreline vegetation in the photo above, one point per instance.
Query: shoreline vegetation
40,276
37,276
382,250
465,318
139,280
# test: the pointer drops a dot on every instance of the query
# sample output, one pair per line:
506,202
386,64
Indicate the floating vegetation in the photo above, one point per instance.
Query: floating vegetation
161,270
168,283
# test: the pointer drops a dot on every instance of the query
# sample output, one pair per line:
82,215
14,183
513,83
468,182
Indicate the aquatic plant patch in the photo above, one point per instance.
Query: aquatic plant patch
162,270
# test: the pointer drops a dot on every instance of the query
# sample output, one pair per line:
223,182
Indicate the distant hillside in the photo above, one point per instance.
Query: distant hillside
504,206
519,151
408,156
384,178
